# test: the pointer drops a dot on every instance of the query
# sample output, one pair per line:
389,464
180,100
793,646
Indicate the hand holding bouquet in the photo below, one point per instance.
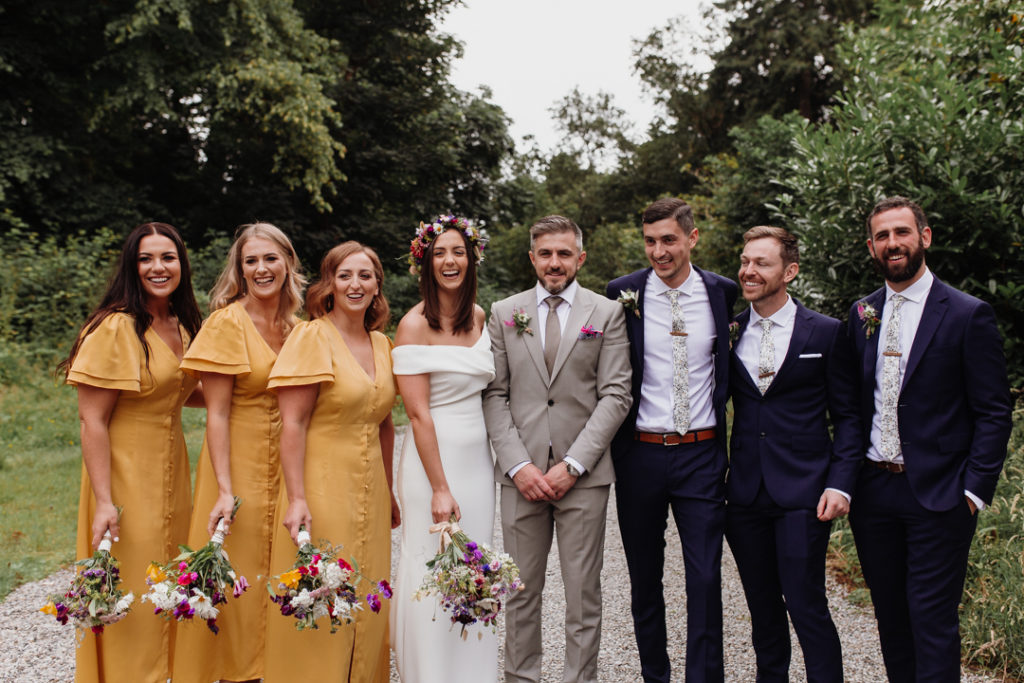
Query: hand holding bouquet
196,581
94,599
470,579
322,584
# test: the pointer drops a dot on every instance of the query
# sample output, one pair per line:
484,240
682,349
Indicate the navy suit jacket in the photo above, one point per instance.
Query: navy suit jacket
783,437
954,408
721,295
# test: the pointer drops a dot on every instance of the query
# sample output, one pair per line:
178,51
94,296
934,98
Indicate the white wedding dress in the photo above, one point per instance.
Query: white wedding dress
428,649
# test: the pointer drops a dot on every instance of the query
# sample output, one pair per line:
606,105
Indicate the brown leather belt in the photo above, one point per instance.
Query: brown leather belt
893,467
674,438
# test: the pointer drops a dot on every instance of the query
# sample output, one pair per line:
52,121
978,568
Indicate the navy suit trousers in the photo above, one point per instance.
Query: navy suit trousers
914,561
780,555
651,479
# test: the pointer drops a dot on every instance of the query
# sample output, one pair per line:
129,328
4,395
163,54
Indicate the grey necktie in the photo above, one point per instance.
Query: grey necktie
766,359
680,366
552,332
891,382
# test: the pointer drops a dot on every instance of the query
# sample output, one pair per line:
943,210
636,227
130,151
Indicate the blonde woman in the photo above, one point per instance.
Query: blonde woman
254,303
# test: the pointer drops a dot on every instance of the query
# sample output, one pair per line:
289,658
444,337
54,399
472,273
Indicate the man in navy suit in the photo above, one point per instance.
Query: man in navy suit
788,479
670,452
935,408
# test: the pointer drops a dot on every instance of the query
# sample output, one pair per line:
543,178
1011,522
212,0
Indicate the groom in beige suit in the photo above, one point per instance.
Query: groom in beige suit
561,389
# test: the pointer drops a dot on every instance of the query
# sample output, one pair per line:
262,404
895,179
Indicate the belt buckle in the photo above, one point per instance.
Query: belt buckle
665,437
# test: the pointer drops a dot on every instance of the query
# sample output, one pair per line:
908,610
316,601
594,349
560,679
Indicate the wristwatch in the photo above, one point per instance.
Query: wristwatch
573,472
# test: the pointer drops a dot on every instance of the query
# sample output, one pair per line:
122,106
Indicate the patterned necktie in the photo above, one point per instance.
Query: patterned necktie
680,367
766,360
552,332
891,382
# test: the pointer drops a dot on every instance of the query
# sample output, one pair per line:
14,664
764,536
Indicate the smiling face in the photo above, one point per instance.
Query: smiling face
897,246
763,275
264,268
355,284
449,260
557,259
668,250
159,266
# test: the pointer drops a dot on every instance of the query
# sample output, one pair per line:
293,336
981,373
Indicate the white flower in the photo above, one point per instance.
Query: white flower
342,609
124,603
303,600
320,609
332,574
202,605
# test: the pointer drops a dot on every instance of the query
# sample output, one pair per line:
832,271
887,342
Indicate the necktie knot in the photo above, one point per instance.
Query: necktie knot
554,301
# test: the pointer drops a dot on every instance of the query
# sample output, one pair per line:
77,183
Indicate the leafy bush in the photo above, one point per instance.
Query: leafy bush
932,110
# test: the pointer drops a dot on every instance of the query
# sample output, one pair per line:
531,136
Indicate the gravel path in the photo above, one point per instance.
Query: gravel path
35,649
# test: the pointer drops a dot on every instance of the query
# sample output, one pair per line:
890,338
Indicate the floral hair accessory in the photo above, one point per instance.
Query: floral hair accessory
869,317
630,300
734,333
428,232
519,320
588,332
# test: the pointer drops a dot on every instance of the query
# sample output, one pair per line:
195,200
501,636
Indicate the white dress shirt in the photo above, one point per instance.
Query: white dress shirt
748,347
910,318
655,409
540,327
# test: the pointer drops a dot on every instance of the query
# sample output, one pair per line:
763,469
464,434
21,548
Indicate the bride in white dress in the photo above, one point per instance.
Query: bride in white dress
442,362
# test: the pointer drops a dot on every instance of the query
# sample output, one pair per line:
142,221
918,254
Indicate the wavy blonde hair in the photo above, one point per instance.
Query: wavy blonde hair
230,286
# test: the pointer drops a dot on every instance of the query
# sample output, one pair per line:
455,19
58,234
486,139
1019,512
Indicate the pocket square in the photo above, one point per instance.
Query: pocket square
588,332
810,355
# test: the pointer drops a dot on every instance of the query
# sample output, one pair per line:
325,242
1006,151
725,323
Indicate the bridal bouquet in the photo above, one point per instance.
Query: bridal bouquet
471,579
321,584
94,599
196,581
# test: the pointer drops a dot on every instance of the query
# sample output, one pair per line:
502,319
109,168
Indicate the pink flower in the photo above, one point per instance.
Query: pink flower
240,586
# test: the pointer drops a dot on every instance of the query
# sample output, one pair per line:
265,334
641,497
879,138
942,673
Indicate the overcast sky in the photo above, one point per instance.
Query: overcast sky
531,53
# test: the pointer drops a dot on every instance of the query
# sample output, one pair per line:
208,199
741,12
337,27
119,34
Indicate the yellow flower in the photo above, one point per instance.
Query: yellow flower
155,573
49,608
291,579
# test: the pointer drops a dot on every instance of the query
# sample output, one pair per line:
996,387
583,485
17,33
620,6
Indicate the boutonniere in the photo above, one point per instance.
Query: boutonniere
869,317
588,332
630,300
734,333
520,321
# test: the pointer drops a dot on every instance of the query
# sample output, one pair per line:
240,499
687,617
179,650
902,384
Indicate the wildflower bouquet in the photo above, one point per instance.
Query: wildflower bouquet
321,584
471,580
196,581
94,599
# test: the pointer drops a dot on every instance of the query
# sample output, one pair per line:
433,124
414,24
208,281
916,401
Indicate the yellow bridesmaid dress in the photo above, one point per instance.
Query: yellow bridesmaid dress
230,344
348,498
149,479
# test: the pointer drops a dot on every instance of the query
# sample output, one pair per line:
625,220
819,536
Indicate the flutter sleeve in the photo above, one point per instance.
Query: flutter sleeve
110,357
220,345
304,359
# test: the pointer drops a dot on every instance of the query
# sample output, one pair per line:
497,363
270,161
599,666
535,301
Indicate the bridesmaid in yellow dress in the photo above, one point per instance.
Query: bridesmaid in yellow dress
335,390
130,393
254,303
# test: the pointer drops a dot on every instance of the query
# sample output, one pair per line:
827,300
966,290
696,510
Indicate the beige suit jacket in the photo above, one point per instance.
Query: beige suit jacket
576,409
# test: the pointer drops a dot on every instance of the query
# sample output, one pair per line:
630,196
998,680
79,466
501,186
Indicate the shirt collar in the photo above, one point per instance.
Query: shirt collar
916,292
782,317
568,294
659,287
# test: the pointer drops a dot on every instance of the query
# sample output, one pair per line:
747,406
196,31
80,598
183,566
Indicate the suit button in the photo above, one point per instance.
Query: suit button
551,402
762,435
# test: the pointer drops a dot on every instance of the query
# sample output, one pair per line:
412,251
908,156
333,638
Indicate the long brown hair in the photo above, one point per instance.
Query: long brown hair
125,293
231,286
320,297
465,298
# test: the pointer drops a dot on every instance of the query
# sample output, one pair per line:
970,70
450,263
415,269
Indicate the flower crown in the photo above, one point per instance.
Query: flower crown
428,232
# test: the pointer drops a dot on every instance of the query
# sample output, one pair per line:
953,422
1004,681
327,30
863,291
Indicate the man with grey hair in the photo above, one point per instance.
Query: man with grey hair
560,391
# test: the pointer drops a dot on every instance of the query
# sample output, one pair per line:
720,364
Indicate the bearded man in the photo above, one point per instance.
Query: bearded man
936,418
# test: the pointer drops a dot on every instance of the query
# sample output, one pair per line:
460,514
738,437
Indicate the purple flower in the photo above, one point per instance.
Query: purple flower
374,602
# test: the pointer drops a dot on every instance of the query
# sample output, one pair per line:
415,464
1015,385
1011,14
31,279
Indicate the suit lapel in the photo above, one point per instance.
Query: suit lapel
580,312
877,301
527,301
636,322
743,320
803,326
934,309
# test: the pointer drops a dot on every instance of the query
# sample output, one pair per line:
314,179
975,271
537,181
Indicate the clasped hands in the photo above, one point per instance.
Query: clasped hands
536,486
